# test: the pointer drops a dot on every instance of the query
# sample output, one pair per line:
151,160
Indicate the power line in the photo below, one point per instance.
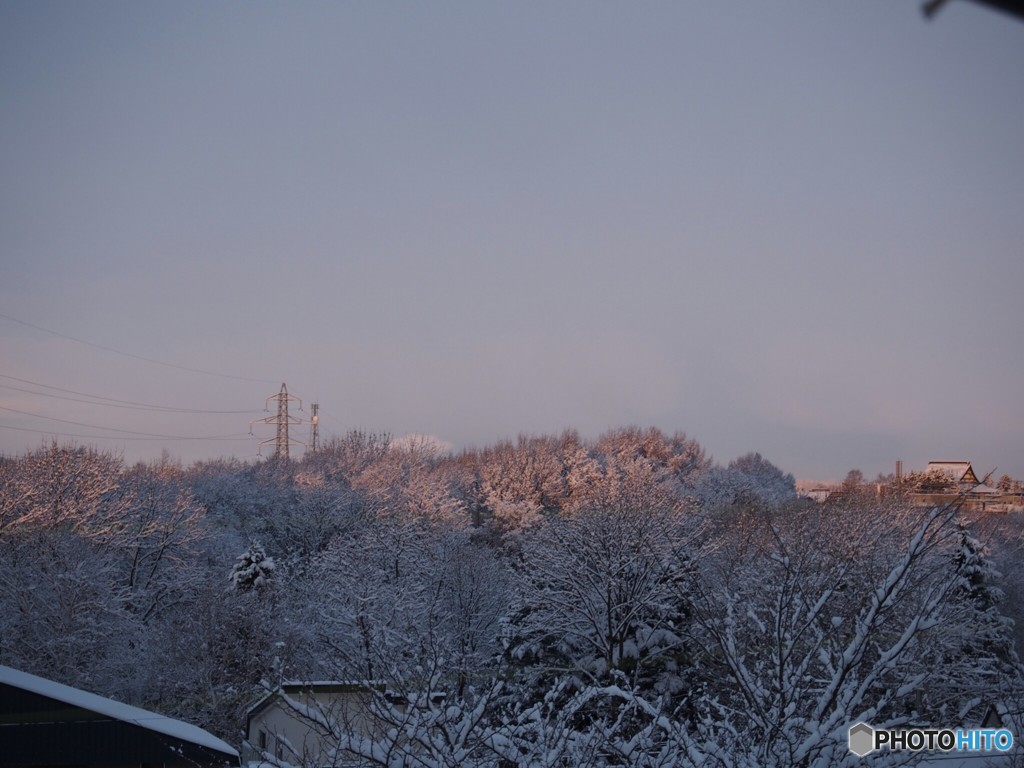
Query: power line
133,356
243,436
113,402
108,429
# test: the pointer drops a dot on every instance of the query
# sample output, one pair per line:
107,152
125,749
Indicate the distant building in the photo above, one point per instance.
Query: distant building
44,723
289,723
818,494
960,473
298,722
955,482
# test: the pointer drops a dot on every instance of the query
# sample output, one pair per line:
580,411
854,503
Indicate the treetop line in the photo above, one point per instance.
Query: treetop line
551,599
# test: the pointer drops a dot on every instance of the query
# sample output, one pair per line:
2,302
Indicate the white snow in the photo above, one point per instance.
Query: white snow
115,709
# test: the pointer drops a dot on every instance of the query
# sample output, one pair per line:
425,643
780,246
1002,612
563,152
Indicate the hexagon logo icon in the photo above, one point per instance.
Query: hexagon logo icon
862,739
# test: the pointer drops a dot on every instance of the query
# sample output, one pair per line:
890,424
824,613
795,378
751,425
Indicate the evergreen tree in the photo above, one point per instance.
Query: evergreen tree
253,569
973,644
989,638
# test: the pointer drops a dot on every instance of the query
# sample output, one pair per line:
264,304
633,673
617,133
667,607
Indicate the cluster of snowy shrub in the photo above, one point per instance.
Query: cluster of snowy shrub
552,601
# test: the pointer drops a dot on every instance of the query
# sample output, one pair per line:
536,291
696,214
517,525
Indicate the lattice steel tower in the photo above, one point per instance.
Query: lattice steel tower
282,420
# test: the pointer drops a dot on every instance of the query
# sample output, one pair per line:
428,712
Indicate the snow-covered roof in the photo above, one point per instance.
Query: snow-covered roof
312,687
114,709
955,470
986,489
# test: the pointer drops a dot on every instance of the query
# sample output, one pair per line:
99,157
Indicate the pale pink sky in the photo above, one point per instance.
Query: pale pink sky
793,228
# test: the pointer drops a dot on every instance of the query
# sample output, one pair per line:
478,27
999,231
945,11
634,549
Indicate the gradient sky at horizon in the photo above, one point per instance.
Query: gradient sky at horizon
795,228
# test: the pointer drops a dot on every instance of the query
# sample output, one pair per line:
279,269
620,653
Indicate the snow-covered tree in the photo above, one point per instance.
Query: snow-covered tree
399,597
526,476
212,655
64,610
975,629
608,624
977,572
403,484
720,488
811,621
253,570
160,542
74,487
598,595
322,510
770,484
748,480
629,469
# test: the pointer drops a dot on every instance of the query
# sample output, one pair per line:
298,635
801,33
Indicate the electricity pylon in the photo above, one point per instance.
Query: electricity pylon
282,420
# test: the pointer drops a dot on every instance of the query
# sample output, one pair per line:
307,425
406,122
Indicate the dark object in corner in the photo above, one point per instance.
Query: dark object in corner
1013,7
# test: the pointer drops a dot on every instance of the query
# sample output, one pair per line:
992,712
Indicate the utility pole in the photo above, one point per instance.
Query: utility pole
281,441
314,429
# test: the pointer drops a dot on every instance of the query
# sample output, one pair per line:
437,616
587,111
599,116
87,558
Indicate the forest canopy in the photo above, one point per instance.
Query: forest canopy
618,601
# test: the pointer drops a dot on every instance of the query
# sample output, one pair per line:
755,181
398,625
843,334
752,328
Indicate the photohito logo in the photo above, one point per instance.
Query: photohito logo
864,739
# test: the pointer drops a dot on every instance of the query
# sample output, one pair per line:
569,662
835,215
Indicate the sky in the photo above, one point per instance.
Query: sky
793,227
